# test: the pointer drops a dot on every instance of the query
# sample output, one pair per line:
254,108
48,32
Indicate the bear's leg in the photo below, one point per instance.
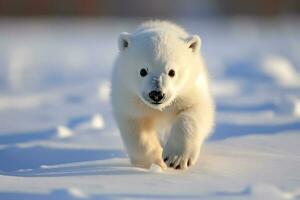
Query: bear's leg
141,142
188,132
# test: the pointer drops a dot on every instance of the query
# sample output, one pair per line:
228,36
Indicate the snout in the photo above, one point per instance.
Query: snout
156,96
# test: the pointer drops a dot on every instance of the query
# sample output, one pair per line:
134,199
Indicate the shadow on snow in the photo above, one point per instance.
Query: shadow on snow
227,130
16,158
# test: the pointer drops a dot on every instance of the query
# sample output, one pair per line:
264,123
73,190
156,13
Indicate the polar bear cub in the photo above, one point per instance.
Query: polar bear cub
160,80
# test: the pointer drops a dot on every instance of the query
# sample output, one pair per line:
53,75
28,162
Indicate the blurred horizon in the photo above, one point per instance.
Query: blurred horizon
154,8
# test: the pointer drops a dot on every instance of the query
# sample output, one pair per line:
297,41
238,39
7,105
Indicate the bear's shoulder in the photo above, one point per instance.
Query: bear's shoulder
157,25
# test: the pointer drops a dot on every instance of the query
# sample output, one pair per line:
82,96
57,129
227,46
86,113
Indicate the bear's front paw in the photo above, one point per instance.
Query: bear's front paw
179,157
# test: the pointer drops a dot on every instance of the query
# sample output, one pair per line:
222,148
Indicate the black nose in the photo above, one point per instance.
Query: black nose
156,96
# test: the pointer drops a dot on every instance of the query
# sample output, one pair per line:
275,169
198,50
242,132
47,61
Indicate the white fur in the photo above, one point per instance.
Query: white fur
188,106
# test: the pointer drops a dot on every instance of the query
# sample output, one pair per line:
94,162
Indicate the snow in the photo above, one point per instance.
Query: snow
104,91
271,192
281,70
155,168
297,107
64,132
58,138
97,122
77,193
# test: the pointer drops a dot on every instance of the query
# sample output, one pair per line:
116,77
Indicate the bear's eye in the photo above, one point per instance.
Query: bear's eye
143,72
171,73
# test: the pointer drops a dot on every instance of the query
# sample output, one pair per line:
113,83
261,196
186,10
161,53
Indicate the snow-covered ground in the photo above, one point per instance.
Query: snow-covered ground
58,139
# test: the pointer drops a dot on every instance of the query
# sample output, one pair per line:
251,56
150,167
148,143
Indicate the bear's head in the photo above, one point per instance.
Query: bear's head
157,66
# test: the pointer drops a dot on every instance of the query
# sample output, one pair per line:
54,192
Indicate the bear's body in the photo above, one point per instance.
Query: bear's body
160,80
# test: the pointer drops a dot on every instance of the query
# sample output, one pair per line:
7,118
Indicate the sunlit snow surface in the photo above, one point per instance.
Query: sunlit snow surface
58,139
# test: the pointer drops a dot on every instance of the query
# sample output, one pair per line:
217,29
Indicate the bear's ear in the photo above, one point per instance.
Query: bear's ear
194,43
123,41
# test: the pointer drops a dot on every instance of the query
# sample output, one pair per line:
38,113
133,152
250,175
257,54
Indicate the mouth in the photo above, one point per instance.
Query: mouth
163,100
156,103
162,103
153,103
